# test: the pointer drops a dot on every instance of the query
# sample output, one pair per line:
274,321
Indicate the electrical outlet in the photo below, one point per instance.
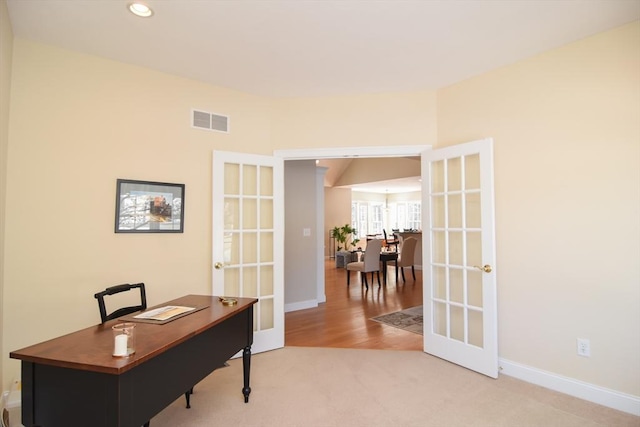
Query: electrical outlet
584,347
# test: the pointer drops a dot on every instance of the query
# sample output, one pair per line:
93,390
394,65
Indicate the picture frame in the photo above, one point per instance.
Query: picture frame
149,207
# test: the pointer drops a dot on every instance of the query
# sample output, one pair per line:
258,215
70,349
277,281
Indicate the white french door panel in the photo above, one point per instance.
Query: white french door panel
248,239
459,257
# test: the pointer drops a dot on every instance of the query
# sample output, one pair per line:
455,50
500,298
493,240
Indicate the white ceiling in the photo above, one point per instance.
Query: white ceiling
319,48
391,186
336,167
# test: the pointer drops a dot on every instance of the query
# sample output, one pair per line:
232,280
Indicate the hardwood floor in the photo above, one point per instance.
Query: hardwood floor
344,320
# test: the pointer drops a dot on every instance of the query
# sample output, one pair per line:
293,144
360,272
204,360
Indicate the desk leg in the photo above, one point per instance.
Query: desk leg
246,365
28,414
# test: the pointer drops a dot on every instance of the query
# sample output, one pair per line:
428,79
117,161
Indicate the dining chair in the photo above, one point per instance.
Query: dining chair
391,242
406,258
370,263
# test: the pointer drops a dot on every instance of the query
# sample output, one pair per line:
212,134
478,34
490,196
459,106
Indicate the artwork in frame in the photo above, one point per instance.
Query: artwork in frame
149,207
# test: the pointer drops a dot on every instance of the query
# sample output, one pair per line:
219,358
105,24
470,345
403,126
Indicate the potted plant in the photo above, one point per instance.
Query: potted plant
345,238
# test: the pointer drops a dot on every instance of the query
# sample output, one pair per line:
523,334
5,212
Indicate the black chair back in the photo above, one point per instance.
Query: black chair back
124,310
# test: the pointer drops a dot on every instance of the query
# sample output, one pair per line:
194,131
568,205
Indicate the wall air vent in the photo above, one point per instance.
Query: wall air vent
209,121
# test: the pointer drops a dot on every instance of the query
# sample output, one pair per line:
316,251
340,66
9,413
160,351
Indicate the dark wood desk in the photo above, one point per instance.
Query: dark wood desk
74,380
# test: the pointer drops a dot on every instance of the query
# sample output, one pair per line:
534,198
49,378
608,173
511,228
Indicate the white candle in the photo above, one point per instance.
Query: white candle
120,345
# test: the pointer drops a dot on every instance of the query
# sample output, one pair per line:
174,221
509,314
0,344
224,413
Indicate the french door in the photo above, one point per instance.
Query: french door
248,238
460,302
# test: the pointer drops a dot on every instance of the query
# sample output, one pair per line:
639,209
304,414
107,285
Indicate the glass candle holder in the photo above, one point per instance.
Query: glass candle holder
124,339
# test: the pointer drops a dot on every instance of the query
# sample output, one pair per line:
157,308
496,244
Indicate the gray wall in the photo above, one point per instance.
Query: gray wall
300,213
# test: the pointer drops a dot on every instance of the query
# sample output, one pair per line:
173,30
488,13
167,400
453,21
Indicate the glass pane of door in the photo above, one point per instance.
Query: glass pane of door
456,246
253,248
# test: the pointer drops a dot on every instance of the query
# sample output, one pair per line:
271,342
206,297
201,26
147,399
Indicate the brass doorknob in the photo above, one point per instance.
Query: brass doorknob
218,265
486,268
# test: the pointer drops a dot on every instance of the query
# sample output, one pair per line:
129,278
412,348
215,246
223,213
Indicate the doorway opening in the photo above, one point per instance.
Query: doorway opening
339,317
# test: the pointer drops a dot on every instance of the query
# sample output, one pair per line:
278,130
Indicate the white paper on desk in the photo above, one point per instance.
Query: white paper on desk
164,313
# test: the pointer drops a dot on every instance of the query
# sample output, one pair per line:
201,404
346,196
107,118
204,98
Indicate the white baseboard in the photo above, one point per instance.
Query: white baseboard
301,305
592,393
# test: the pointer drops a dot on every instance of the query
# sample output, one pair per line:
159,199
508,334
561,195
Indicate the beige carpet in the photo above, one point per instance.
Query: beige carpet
327,387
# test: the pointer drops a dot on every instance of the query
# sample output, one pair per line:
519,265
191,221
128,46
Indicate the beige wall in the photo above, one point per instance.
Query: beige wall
406,197
356,121
78,123
566,126
337,212
367,197
6,52
81,122
362,171
567,173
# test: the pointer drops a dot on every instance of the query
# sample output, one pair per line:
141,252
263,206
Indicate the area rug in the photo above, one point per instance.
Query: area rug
409,319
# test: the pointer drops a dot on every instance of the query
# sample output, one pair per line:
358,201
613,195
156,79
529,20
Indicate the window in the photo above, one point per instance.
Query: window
359,218
405,215
376,224
367,218
414,216
370,217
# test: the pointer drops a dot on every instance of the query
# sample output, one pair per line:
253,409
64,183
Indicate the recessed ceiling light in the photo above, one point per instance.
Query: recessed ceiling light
140,9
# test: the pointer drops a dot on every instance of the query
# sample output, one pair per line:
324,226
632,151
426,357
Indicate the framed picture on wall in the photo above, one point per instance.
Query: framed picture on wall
149,207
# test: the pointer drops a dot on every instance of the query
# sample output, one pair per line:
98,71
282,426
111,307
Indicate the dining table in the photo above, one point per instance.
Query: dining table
385,257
